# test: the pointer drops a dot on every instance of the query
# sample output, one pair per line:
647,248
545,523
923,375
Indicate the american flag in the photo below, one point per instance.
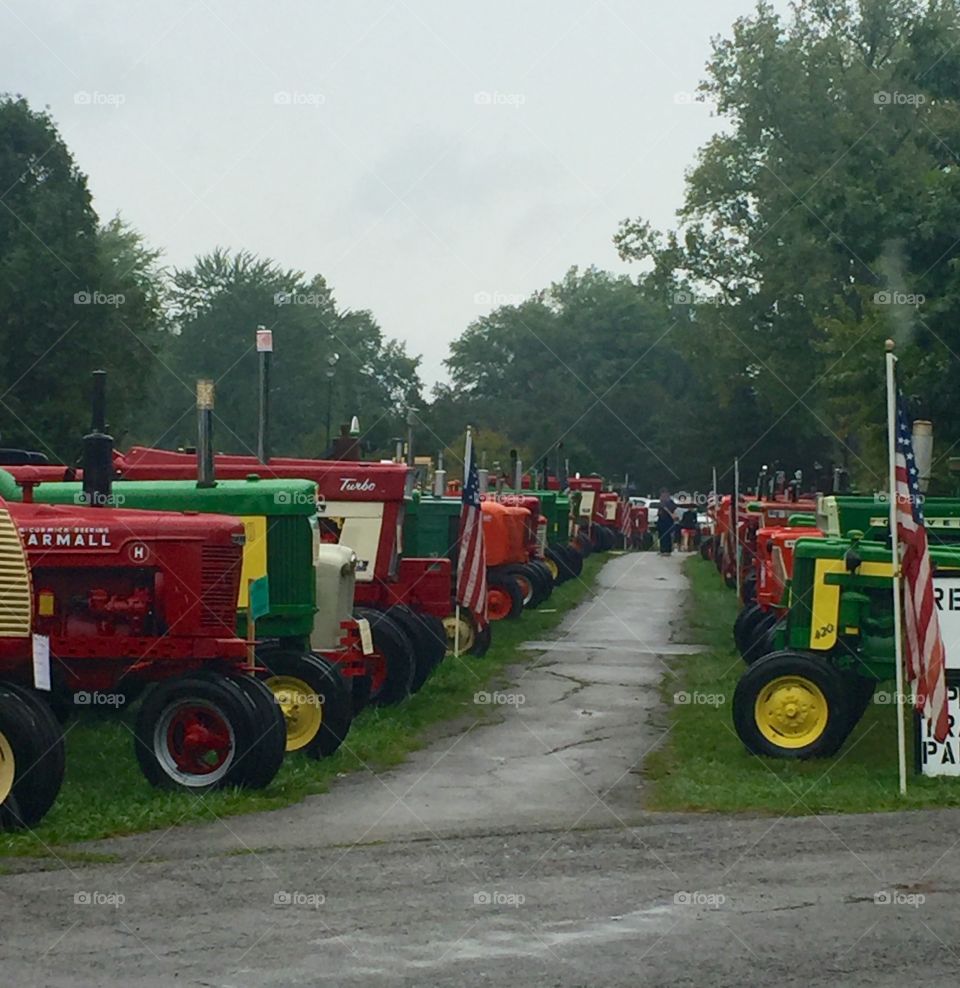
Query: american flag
626,526
925,652
471,555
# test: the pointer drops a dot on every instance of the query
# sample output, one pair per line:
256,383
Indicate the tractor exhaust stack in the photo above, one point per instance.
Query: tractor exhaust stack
98,449
205,469
923,451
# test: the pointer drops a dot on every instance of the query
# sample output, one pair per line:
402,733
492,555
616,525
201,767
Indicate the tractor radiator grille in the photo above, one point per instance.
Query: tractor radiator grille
290,561
15,593
219,585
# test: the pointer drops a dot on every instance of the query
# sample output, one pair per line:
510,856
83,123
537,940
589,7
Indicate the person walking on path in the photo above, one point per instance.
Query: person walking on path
666,521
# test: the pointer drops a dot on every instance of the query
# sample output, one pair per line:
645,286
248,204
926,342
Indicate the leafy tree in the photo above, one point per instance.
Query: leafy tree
815,217
74,297
323,357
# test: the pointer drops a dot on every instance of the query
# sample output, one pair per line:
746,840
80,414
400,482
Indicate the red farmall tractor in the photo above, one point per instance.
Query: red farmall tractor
130,599
31,741
360,505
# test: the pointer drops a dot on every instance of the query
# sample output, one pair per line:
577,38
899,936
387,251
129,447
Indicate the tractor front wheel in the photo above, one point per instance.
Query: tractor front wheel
31,758
791,705
504,597
393,657
314,701
193,734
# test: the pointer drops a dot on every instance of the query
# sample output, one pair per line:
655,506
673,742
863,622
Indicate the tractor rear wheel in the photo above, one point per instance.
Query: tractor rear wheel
706,547
504,597
540,566
576,559
265,756
428,637
759,639
791,705
559,556
193,733
743,625
314,701
31,758
393,650
473,641
860,692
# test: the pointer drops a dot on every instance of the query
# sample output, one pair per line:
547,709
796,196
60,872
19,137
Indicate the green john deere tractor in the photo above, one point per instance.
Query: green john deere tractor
803,699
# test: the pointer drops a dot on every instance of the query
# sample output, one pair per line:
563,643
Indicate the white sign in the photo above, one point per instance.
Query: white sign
41,662
946,595
936,758
264,341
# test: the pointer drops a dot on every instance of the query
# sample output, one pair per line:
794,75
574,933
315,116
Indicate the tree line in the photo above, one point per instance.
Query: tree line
822,218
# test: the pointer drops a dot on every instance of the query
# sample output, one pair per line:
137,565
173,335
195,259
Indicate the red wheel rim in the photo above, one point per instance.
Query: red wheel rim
499,604
198,739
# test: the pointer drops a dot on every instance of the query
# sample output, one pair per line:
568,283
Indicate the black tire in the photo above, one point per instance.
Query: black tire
548,582
795,678
575,558
290,672
390,640
33,739
166,757
760,639
510,586
561,557
265,756
748,591
482,642
743,625
859,692
429,645
528,582
583,543
706,547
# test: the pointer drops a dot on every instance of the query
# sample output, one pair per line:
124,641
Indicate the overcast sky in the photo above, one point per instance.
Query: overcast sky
431,158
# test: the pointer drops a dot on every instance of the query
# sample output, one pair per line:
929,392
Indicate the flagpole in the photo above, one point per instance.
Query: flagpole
735,516
895,557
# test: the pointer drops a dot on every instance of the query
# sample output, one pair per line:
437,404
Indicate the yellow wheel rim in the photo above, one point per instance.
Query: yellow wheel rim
467,635
553,567
791,712
302,709
8,768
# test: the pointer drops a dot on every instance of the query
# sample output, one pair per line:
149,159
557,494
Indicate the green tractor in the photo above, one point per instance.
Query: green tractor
803,699
308,643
